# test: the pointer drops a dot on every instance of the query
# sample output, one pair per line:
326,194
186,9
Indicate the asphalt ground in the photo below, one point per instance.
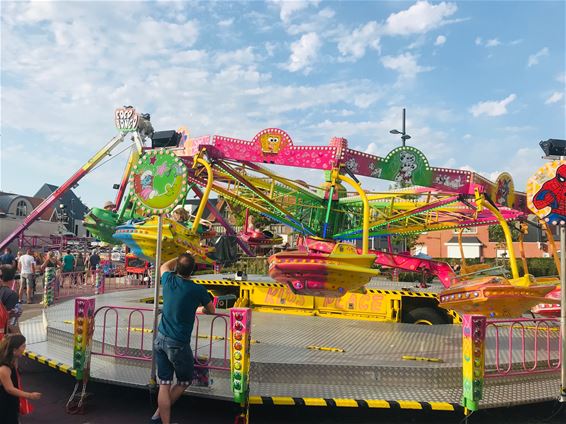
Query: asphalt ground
116,404
124,405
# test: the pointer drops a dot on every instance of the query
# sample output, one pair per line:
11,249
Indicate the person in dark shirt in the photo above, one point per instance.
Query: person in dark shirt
9,298
12,347
181,299
93,262
7,258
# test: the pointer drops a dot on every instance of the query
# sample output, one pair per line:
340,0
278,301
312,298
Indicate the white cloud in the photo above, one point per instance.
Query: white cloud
353,46
561,77
319,23
226,22
534,58
440,40
288,8
327,13
405,64
419,18
554,97
270,48
303,53
492,107
240,56
494,42
365,100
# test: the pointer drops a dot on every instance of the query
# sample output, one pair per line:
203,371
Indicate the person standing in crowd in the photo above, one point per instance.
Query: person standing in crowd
51,261
173,354
93,262
26,266
12,347
9,298
80,267
68,266
7,258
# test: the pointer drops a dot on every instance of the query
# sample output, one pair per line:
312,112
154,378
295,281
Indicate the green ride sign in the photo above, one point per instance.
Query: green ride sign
158,182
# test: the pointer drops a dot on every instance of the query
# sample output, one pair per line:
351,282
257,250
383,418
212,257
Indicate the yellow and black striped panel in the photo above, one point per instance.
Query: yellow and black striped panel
353,403
274,284
237,283
59,366
403,293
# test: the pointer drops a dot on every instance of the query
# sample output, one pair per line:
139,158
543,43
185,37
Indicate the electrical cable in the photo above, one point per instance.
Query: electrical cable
465,419
554,414
112,157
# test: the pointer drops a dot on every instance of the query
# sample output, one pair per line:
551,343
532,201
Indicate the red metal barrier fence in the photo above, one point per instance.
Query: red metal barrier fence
125,333
524,346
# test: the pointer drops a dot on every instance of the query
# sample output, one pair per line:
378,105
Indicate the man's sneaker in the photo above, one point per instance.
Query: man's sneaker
155,420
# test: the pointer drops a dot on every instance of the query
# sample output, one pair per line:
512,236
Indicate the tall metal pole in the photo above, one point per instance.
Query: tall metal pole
402,138
563,309
157,281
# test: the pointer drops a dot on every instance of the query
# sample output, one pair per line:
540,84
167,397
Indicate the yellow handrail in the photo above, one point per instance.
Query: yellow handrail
524,230
551,244
365,202
481,202
208,188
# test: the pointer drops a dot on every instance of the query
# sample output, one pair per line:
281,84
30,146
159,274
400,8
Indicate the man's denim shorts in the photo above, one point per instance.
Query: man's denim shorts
171,357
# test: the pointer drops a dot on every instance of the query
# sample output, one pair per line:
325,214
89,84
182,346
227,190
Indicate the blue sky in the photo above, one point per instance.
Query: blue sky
482,82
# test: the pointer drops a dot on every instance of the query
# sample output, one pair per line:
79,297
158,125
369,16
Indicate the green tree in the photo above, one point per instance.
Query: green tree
239,213
497,235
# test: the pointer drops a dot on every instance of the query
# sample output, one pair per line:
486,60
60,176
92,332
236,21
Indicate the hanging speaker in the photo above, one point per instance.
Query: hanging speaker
168,138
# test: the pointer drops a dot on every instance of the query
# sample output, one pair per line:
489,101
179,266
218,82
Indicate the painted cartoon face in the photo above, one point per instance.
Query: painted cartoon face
270,143
146,179
407,159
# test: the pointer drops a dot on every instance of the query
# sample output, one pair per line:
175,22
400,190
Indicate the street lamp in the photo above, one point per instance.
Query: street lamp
404,135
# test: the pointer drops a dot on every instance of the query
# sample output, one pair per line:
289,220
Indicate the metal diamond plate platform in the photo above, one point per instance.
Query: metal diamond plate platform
365,360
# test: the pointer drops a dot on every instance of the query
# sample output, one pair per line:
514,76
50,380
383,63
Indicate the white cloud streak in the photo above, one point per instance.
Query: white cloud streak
405,64
492,107
353,46
419,18
535,58
554,97
303,53
288,8
440,40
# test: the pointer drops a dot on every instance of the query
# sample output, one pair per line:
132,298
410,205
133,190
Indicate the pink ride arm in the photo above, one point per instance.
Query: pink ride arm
410,263
36,213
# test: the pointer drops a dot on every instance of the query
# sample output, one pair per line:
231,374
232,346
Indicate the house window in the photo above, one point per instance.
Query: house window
22,208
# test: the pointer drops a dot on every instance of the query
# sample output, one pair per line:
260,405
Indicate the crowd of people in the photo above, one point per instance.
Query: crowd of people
14,292
182,298
29,264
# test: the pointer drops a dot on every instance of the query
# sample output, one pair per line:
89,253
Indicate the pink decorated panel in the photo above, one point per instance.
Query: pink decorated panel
274,146
360,163
409,161
452,180
514,199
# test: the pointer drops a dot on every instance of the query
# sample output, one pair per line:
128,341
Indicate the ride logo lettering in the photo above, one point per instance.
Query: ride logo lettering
354,302
284,296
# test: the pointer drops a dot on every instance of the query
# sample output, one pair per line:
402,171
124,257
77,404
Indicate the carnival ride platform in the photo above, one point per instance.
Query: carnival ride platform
298,360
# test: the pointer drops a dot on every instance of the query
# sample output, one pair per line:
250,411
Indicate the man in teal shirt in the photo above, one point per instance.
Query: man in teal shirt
181,299
68,262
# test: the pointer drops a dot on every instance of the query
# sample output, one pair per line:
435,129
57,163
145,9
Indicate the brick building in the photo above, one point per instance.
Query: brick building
476,244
